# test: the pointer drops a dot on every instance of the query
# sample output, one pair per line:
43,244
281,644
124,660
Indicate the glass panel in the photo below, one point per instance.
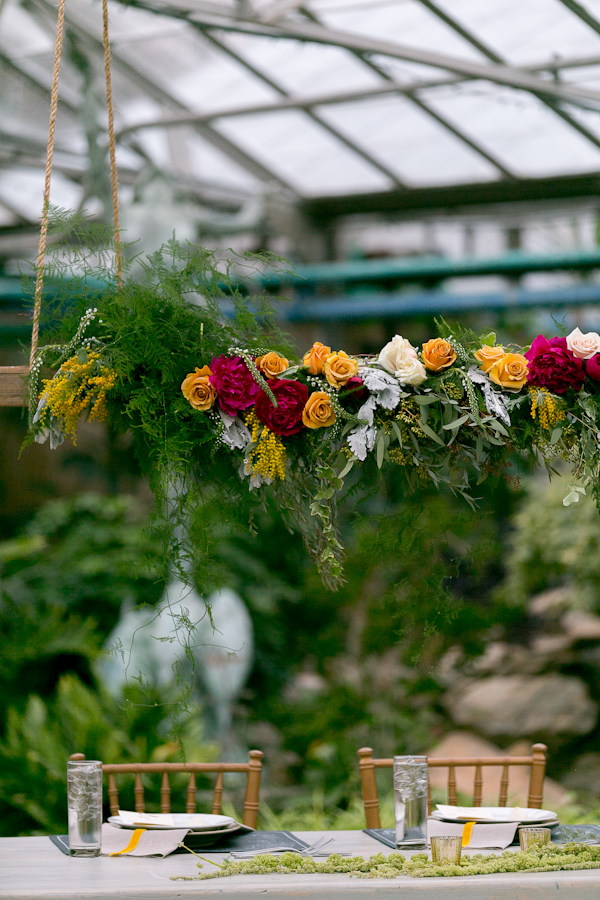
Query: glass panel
408,141
526,32
516,127
405,22
290,144
303,68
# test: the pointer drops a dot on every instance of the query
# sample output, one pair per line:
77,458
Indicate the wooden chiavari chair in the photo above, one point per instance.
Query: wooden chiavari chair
252,769
537,761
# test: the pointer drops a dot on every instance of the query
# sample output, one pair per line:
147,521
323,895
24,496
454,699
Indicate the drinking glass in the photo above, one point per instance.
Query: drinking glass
84,798
410,800
533,837
446,849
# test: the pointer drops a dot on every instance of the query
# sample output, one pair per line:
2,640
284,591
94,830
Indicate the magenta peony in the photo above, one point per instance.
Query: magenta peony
553,366
285,418
592,367
232,380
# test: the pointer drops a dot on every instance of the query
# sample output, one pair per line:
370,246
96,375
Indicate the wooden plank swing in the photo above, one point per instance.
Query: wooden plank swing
13,388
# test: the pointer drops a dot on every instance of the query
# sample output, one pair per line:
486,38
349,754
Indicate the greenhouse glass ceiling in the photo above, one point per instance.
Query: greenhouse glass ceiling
344,104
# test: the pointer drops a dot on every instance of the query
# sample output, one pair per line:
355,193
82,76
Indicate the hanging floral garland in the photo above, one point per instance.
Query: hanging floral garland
224,398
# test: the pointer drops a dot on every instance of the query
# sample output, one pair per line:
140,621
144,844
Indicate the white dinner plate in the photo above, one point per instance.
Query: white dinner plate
491,814
197,822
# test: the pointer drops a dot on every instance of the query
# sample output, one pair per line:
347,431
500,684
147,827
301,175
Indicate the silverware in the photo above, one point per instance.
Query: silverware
316,849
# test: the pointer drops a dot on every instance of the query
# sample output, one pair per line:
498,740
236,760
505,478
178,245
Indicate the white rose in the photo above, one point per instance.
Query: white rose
411,371
583,346
394,352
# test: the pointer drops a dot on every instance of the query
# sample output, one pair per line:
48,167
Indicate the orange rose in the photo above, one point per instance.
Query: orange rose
438,354
489,356
198,390
318,412
510,372
272,364
339,368
316,358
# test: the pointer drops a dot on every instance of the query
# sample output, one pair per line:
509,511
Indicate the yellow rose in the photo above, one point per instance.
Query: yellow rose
198,390
438,354
316,357
339,368
510,372
489,356
272,364
318,412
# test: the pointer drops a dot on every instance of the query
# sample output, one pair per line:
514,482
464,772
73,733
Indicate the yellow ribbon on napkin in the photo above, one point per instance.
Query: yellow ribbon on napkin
466,834
135,839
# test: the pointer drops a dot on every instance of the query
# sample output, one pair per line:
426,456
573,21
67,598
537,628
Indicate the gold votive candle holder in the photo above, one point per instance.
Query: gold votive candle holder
534,837
446,849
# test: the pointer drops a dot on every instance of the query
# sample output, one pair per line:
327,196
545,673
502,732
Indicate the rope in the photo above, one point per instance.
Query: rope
39,282
114,182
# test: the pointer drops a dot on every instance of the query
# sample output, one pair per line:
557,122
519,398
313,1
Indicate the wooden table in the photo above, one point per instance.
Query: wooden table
32,868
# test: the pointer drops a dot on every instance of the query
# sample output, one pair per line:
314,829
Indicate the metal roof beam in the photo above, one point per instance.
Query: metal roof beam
491,54
331,129
582,14
302,103
449,199
37,83
505,75
509,76
227,147
463,32
424,107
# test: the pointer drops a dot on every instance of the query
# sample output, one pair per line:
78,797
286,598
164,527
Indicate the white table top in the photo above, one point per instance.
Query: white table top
32,868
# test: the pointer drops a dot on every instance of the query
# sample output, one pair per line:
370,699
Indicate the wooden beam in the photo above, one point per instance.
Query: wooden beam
13,389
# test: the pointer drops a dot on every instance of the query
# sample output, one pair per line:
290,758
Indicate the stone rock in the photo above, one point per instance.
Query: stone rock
461,744
552,602
546,646
523,706
581,626
584,775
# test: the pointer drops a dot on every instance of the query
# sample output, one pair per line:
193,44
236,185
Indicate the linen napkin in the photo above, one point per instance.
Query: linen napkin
499,835
140,842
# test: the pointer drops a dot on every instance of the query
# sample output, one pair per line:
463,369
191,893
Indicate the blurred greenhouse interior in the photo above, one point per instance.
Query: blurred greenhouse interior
411,160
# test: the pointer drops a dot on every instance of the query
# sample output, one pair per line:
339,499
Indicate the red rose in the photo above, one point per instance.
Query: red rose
592,367
232,380
286,417
353,393
553,366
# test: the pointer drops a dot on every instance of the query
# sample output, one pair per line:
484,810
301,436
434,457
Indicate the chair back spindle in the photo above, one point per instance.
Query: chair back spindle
477,787
368,784
138,791
165,794
503,786
190,801
113,794
367,767
217,795
252,770
451,786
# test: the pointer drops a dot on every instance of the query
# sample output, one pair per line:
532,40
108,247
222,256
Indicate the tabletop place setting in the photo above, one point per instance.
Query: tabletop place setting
495,845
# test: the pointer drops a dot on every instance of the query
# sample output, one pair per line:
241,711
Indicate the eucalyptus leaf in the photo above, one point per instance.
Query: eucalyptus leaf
431,433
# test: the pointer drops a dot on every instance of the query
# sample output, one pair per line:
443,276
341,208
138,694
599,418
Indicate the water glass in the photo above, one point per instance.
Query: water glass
446,850
84,799
533,837
410,800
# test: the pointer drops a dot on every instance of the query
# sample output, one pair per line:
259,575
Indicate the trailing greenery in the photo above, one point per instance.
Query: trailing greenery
140,357
549,858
